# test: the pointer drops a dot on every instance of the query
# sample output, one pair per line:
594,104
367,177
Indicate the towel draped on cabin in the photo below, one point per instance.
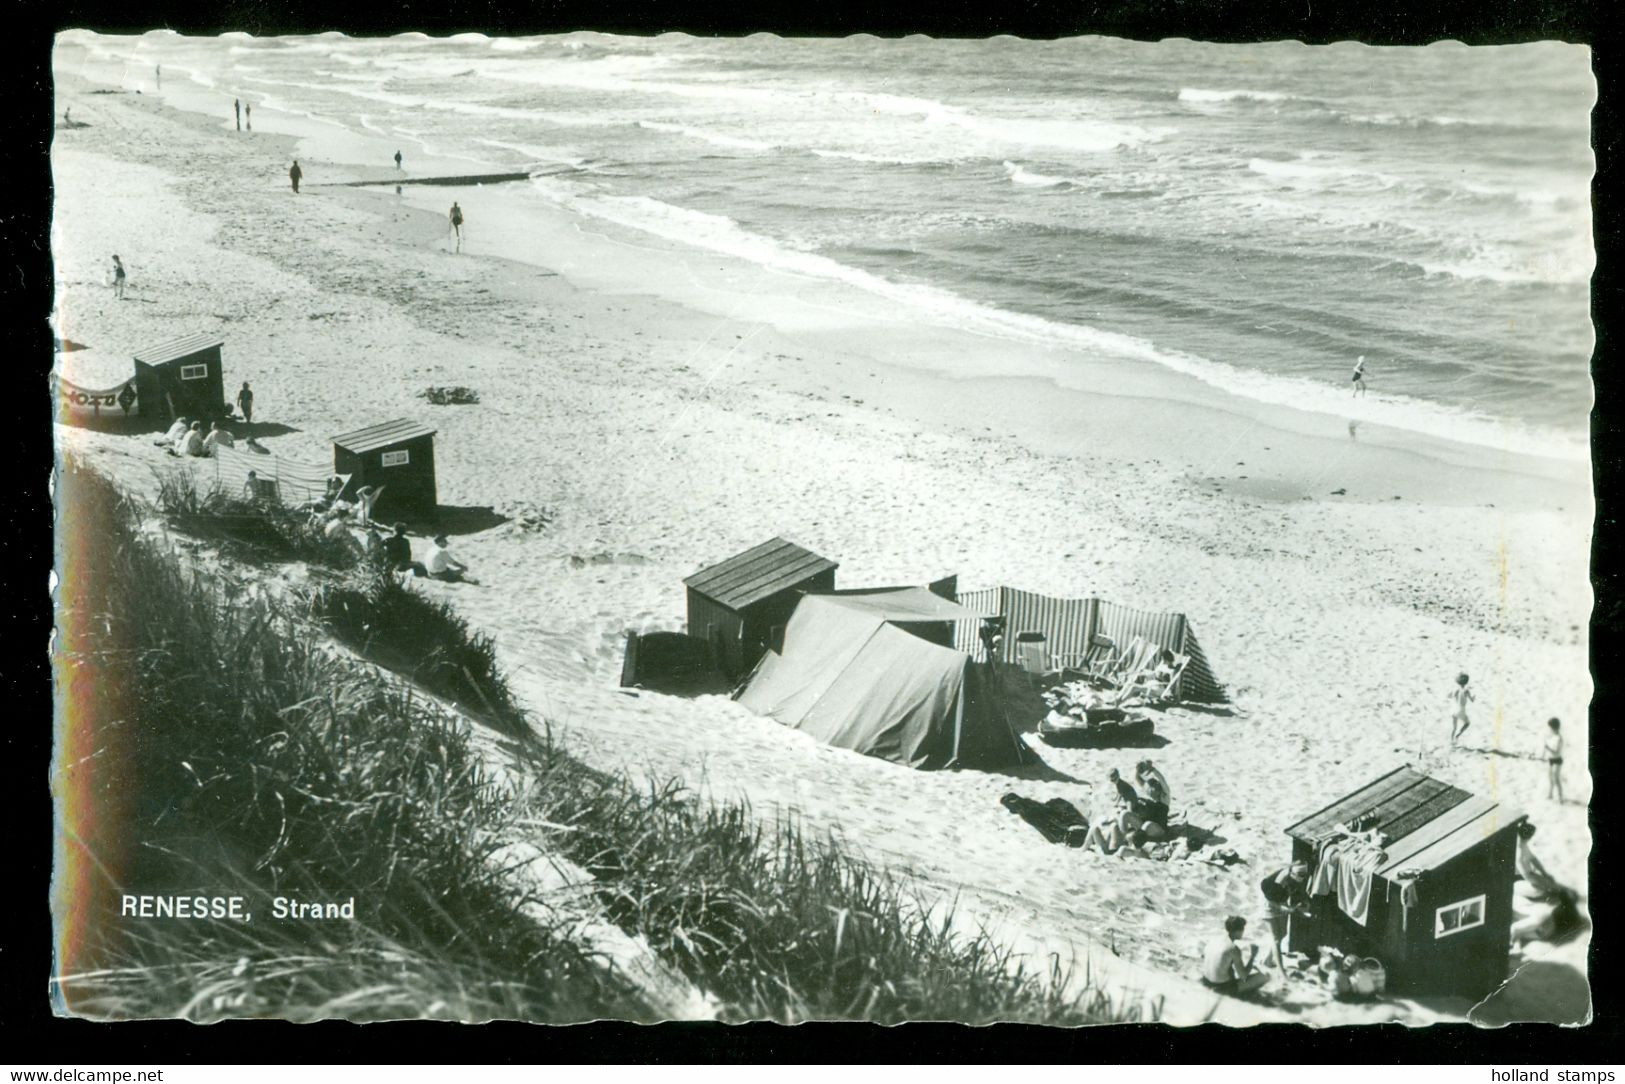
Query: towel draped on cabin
1345,864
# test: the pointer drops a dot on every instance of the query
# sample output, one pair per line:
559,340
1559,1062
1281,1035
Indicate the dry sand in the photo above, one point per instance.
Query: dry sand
656,436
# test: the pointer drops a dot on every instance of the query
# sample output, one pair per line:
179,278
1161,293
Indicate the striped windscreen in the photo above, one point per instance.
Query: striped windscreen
227,470
1068,625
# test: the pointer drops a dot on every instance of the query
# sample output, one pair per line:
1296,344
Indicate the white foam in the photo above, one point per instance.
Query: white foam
512,45
1018,175
537,155
720,234
714,138
877,159
1197,94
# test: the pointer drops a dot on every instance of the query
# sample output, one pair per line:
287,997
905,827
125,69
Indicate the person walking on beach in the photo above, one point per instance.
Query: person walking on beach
397,159
1554,759
237,108
67,117
1359,375
294,174
118,277
245,403
158,76
1460,696
457,224
248,117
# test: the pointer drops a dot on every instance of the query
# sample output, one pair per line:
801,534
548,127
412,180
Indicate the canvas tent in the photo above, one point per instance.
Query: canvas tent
855,672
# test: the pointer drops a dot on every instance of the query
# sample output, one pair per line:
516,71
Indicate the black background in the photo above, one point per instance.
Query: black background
30,1035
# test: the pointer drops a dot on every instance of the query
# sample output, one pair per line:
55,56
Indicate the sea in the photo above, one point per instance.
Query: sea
1255,216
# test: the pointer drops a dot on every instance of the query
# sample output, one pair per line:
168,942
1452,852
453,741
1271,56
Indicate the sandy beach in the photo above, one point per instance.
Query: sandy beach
660,410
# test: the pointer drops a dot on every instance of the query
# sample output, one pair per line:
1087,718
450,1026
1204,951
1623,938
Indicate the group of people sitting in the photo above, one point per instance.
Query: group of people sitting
395,555
1136,819
188,438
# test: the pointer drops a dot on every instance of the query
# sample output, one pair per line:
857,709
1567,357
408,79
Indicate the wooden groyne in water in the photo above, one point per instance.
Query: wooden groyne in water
461,179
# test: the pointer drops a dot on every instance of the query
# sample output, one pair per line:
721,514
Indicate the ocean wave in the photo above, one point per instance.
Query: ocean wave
878,159
512,45
1197,94
537,155
1309,170
718,233
1546,269
1019,175
1067,133
717,139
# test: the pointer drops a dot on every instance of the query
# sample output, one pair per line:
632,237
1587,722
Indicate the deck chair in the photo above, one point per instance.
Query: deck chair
1113,668
1102,650
1161,692
1138,656
1151,689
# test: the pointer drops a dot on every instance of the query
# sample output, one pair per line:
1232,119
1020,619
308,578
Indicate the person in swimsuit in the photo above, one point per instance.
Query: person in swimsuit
294,174
1460,696
237,108
1157,796
248,119
1223,967
1286,892
1534,882
1554,760
397,159
1359,375
118,278
457,224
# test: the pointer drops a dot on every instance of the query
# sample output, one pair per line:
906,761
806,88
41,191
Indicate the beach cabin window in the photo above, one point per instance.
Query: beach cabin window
194,372
1457,917
397,459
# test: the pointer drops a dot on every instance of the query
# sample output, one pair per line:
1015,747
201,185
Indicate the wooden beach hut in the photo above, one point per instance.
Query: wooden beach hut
1428,891
735,606
181,377
398,455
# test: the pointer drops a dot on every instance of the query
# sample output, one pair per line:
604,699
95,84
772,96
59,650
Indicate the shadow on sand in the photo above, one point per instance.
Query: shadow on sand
461,519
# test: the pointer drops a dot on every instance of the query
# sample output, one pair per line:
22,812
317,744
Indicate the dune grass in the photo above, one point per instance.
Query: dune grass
424,639
232,755
786,928
249,761
258,531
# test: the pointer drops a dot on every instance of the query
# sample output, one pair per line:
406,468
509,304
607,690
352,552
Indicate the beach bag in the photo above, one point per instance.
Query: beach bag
1370,978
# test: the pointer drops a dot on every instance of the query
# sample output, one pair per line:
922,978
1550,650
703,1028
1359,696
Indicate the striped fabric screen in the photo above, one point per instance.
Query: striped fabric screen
1199,684
228,470
985,600
1069,624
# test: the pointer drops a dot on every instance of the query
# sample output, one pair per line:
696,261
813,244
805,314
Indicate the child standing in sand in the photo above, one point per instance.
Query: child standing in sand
118,277
1460,696
1554,760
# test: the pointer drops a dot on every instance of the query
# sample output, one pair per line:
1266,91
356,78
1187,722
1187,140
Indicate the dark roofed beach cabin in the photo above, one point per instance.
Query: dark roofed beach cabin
1439,916
181,378
736,605
398,455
